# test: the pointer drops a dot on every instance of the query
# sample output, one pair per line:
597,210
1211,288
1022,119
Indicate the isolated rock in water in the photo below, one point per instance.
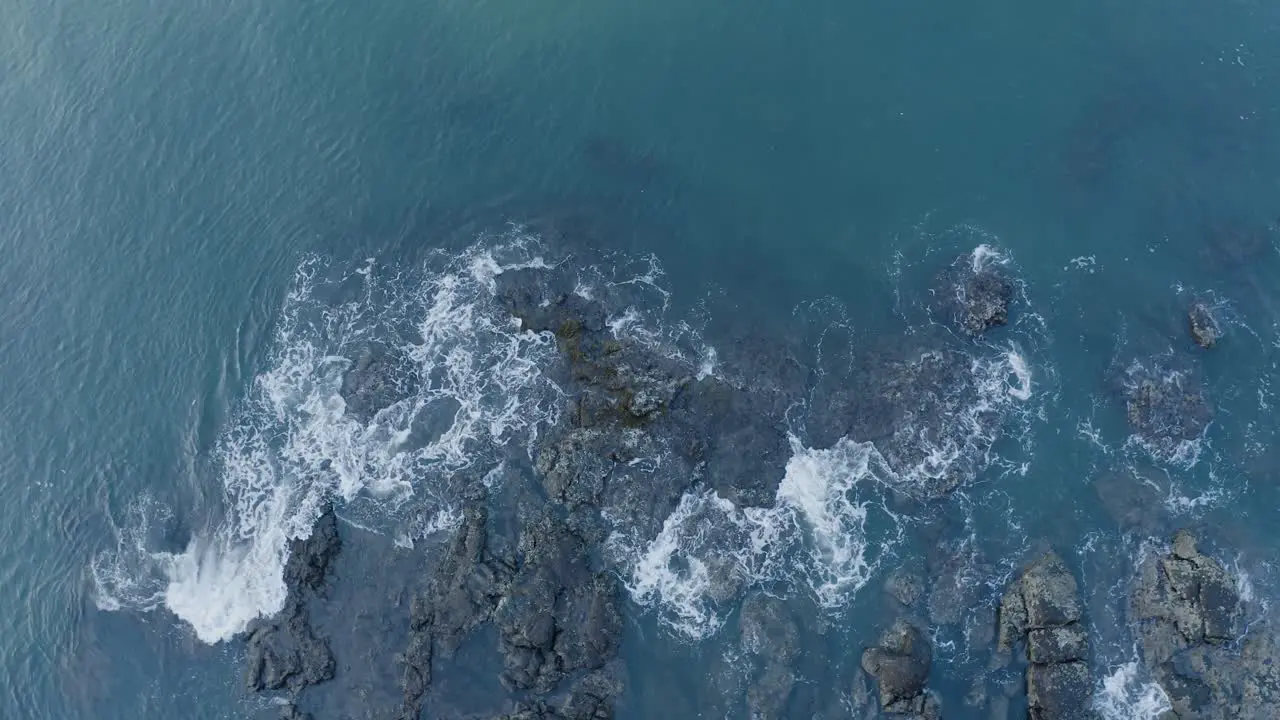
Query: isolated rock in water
284,651
1187,613
900,666
378,378
1165,406
1203,325
976,293
1042,608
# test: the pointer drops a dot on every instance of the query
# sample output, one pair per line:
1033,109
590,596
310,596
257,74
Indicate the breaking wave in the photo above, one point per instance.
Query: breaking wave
474,382
1125,694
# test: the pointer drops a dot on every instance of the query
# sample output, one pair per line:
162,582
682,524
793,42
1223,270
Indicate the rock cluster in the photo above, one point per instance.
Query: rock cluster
1187,613
1042,608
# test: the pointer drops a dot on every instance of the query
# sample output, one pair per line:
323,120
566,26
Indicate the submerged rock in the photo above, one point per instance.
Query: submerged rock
771,638
1165,406
1042,609
284,651
1203,325
378,378
1134,499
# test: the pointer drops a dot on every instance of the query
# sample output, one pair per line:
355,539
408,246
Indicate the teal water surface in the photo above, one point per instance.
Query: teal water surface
168,167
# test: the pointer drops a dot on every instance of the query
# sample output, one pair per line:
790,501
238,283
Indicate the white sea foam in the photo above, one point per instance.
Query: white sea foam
1019,369
292,447
1125,694
815,536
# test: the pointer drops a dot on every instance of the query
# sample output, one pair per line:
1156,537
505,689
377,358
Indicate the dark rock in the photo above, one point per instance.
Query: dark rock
558,616
378,378
1165,406
905,396
284,651
462,594
1203,325
1060,691
975,293
771,637
1046,596
900,665
291,712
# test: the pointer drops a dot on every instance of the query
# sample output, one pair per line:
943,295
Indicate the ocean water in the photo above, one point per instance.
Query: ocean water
206,206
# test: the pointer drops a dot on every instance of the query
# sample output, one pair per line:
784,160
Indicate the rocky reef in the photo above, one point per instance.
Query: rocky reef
1042,612
899,663
1187,612
284,652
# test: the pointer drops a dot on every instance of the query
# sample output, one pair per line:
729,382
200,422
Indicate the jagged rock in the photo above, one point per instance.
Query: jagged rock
975,294
900,665
1183,599
558,616
1053,645
1203,325
284,651
1061,691
590,698
462,593
291,712
378,378
1043,609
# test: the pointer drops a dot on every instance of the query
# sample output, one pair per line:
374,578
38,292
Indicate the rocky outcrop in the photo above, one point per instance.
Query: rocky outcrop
284,652
1203,325
975,293
1042,610
899,664
555,616
1186,611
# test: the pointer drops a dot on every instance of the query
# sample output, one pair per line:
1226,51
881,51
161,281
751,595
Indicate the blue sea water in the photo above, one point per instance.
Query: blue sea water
184,183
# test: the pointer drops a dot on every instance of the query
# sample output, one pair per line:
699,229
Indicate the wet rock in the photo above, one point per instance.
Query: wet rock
463,592
379,377
284,652
1059,691
558,617
291,712
1183,599
1165,406
1042,608
900,665
916,399
590,698
1186,611
1203,325
976,293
